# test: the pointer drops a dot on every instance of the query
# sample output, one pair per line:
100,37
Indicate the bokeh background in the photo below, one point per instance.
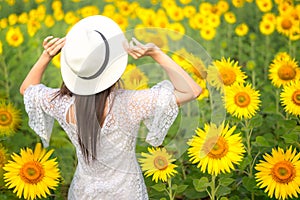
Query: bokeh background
253,46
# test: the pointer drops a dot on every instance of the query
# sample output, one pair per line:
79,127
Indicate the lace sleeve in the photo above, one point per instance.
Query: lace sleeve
37,100
159,109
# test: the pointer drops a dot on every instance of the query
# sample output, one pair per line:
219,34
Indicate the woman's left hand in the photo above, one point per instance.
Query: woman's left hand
52,46
137,50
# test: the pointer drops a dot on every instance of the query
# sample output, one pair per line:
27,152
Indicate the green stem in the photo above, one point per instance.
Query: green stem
170,192
249,150
229,37
248,138
240,48
213,187
266,65
5,74
252,59
183,169
290,48
277,101
253,78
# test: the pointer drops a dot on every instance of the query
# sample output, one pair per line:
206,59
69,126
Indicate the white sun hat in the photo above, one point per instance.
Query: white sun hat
93,57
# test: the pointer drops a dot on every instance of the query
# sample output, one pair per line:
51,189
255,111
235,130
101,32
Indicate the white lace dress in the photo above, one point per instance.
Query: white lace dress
116,173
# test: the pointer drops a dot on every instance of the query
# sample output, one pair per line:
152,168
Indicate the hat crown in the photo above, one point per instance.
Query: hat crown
86,55
93,57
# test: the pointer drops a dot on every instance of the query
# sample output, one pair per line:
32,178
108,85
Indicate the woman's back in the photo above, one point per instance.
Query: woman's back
115,173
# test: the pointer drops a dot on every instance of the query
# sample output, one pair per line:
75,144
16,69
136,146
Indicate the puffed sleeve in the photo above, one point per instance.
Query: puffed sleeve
158,109
37,100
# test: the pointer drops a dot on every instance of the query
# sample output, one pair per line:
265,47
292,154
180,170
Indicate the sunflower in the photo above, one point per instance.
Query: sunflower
190,63
189,11
14,37
32,173
225,73
9,118
158,162
266,27
56,60
134,78
223,6
264,5
198,21
279,173
208,33
242,29
238,3
49,21
290,98
175,13
177,31
283,71
216,149
282,56
241,101
230,17
271,17
162,20
286,25
124,8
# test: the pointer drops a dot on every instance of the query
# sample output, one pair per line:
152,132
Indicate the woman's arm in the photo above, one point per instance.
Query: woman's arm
186,89
51,48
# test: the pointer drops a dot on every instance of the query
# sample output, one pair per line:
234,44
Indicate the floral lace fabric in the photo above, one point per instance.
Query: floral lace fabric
115,174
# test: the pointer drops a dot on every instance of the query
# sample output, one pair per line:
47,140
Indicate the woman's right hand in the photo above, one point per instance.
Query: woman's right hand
52,46
137,50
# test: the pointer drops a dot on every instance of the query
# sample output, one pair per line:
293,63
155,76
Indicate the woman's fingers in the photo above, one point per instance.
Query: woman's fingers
54,45
47,39
140,45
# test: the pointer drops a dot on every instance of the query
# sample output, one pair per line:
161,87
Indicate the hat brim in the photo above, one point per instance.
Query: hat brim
117,62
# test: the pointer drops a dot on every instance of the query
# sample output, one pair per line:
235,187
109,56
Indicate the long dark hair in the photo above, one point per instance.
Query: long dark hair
90,116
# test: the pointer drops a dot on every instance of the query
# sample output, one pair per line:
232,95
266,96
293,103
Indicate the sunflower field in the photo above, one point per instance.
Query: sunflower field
238,140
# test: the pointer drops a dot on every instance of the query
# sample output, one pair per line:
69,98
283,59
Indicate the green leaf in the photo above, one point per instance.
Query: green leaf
256,121
223,191
159,187
290,138
181,188
226,181
224,198
296,130
245,163
249,183
287,124
201,184
174,186
261,141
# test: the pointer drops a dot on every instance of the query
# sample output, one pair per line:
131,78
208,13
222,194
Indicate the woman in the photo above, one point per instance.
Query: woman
102,120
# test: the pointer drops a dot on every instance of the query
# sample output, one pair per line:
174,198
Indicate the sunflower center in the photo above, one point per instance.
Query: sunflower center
32,172
286,72
242,99
296,97
228,77
286,24
5,118
160,162
15,37
216,148
283,172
